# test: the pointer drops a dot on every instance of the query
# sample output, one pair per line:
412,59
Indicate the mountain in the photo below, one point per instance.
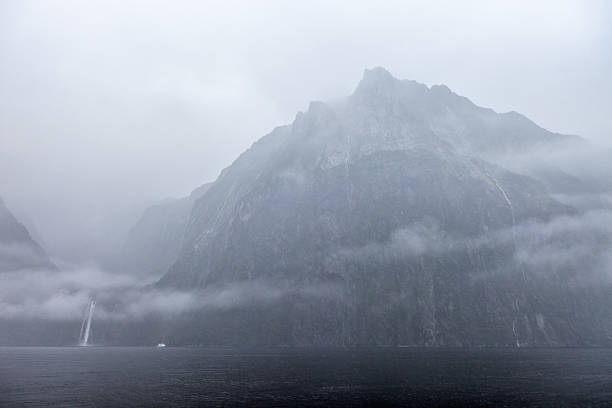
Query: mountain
17,248
454,119
153,243
380,220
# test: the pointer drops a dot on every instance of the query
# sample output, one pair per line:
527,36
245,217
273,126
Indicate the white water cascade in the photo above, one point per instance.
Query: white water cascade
86,326
511,207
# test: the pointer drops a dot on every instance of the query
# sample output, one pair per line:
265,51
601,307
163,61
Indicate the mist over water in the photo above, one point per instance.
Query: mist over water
324,204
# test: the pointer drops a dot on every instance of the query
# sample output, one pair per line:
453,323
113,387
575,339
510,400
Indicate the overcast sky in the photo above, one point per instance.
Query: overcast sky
108,105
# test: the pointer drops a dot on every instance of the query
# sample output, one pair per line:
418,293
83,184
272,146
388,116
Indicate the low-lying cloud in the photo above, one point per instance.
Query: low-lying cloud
63,295
580,244
55,294
420,238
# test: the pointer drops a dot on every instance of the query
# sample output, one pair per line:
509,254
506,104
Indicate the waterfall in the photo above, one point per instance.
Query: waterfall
511,207
86,326
516,305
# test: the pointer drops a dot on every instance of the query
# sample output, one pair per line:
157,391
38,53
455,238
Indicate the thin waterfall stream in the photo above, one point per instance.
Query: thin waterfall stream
86,326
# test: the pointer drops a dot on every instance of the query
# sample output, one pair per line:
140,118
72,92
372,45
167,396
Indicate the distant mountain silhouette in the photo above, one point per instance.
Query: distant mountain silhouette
154,241
17,248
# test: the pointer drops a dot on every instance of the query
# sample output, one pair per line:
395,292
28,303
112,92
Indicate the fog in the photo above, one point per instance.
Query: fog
579,242
563,244
108,106
56,296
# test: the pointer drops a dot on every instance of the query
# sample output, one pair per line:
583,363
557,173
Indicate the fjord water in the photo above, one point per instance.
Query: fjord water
134,377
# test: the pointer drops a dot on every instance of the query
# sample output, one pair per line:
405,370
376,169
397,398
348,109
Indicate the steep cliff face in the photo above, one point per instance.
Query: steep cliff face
155,240
17,248
378,222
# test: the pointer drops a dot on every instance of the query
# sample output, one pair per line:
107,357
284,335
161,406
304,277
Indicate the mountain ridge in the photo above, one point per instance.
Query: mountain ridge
18,250
154,241
365,173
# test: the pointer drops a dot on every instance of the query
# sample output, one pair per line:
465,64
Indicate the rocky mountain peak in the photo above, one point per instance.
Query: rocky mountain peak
379,86
388,198
377,77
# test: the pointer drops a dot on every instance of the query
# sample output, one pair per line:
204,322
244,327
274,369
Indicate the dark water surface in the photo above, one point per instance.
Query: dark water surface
136,377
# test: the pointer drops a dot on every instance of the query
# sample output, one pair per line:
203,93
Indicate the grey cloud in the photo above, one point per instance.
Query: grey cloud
63,295
586,202
18,253
416,239
580,242
109,106
55,294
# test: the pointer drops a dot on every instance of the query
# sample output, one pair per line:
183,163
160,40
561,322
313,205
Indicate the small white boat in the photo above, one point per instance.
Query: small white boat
161,344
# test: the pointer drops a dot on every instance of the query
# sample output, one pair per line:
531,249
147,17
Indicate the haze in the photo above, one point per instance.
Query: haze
108,106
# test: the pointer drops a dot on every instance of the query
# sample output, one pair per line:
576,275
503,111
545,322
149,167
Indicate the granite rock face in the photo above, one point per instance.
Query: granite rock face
379,220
